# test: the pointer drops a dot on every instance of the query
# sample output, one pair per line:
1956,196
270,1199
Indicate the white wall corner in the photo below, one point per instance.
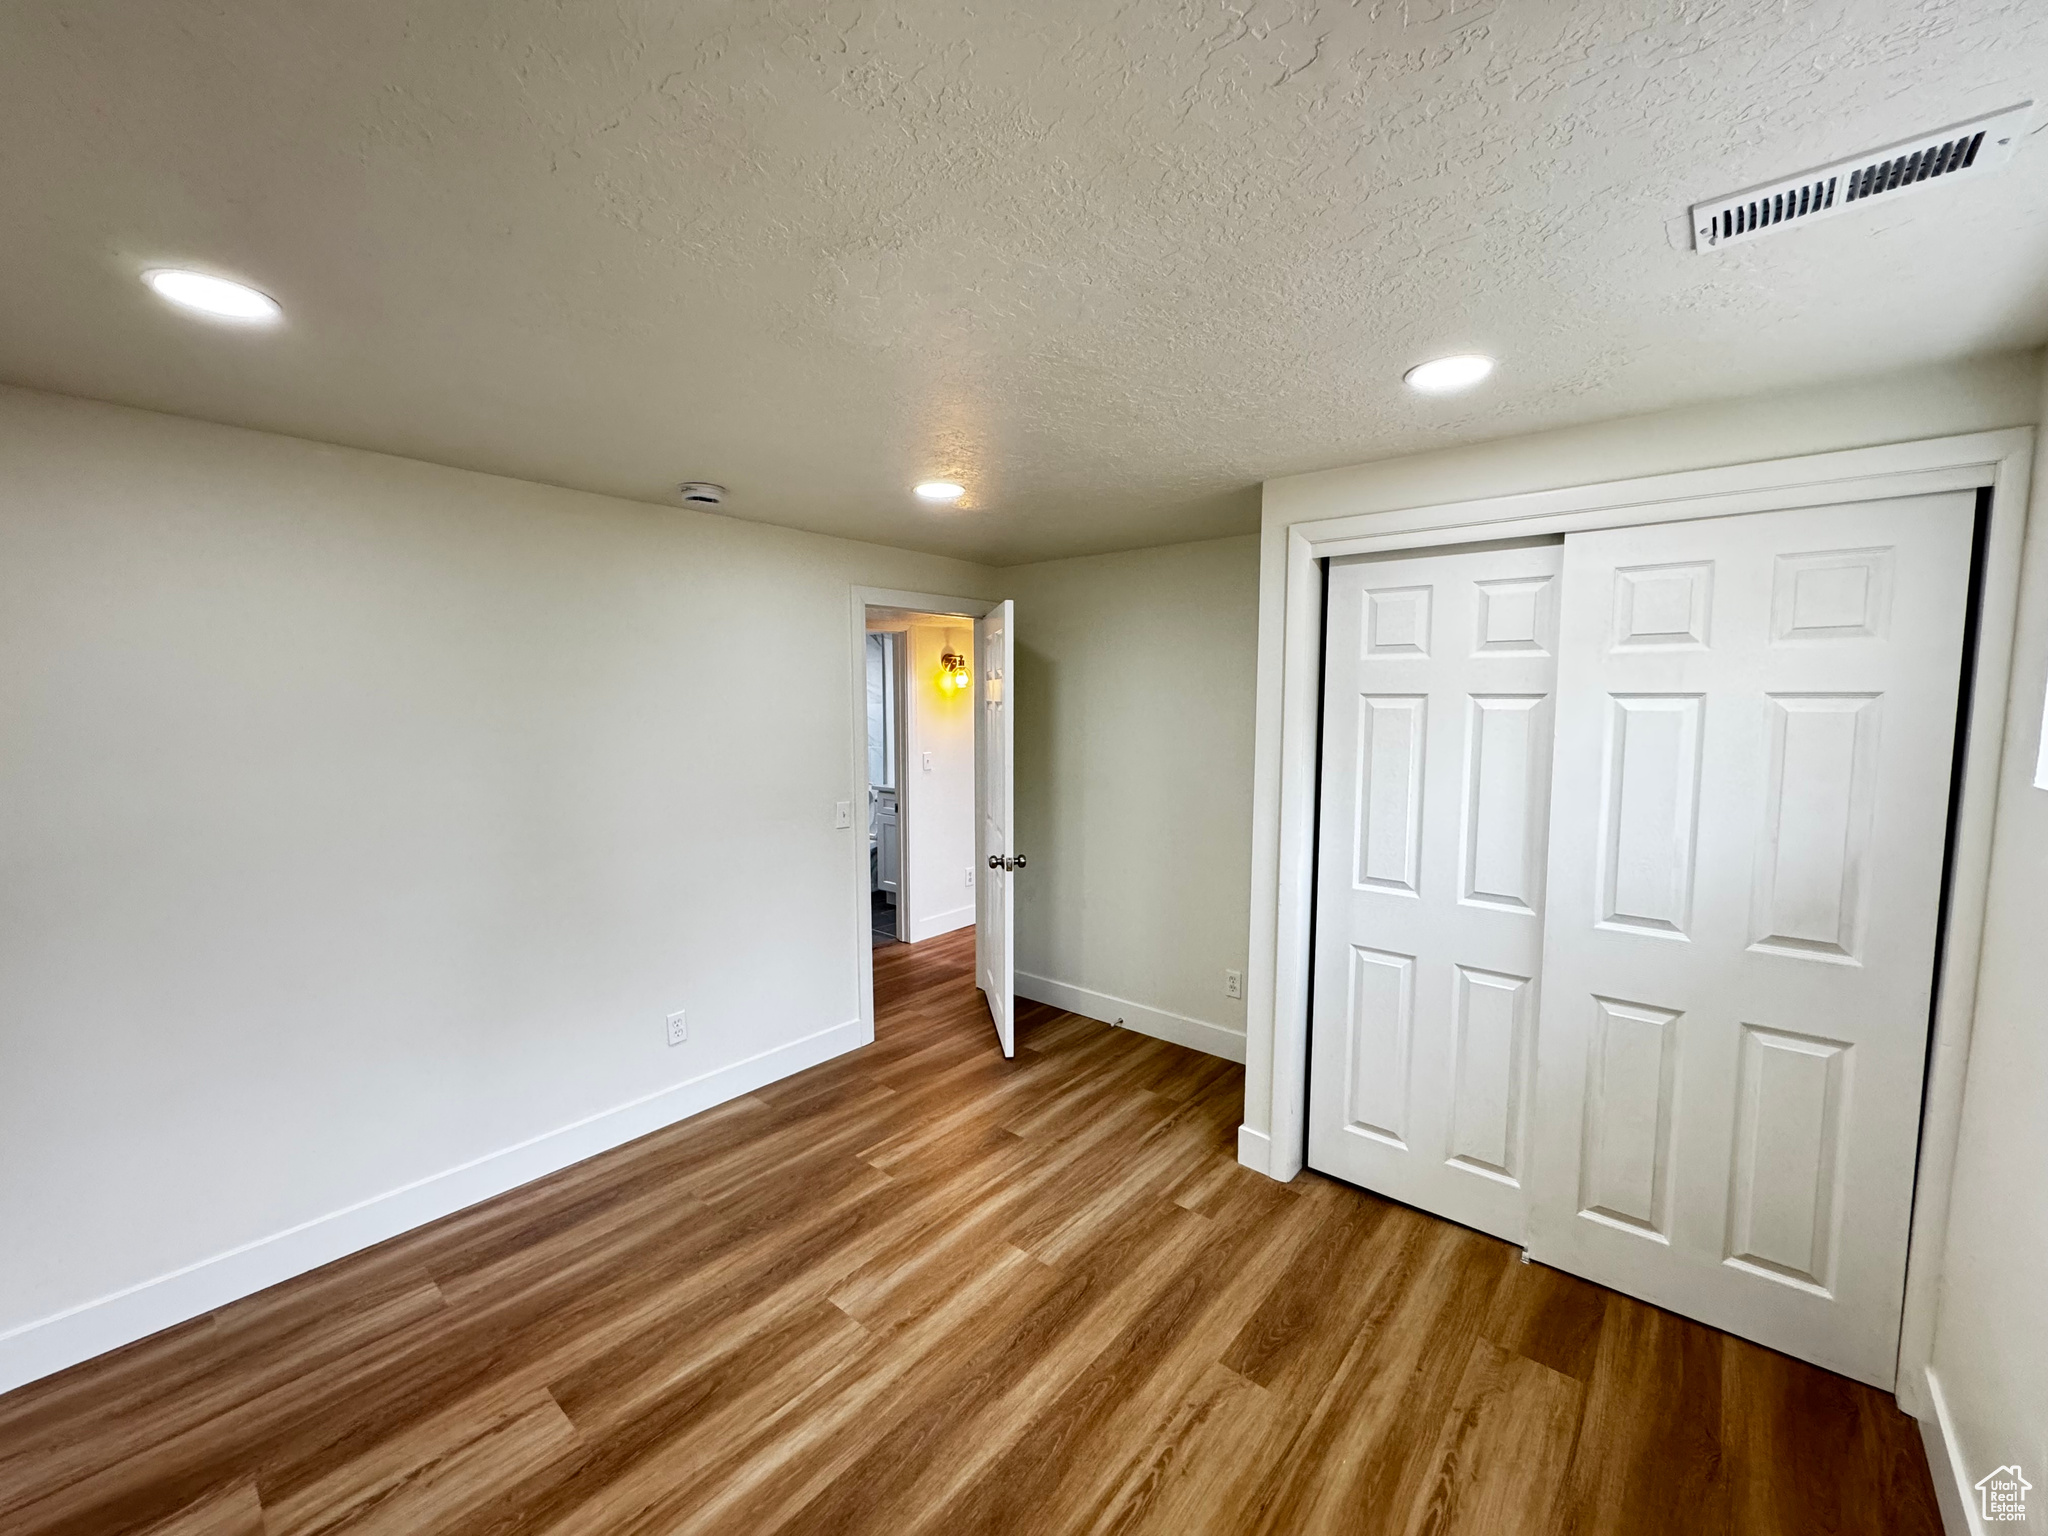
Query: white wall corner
51,1344
1196,1034
1953,1491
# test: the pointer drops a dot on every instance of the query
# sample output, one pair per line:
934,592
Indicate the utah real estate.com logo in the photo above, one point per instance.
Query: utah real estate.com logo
2002,1494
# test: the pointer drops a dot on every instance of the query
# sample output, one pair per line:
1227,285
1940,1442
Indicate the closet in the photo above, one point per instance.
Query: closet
1629,869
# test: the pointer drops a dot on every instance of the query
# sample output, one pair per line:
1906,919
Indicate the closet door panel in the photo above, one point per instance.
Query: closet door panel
1755,727
1437,727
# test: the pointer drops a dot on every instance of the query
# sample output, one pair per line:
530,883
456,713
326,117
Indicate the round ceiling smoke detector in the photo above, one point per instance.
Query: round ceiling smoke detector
702,493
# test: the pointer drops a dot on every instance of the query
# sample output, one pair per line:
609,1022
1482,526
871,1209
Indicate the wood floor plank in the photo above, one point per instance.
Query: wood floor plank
1501,1458
1298,1314
1548,1316
769,1487
1189,1330
430,1480
231,1511
1650,1442
923,1289
206,1378
1182,1476
626,1474
1365,1427
1769,1402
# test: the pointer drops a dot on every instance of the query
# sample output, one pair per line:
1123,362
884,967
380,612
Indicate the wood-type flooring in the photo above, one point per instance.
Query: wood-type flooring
921,1289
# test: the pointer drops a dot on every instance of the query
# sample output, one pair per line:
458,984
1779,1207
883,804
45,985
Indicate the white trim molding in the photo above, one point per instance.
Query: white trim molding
1284,774
1254,1149
1954,1490
1195,1034
940,922
50,1344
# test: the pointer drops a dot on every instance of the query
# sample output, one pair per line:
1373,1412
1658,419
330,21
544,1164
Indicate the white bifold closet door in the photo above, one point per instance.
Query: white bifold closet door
1438,673
1756,724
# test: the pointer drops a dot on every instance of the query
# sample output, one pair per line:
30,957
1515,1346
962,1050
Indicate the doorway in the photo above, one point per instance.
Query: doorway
921,751
934,850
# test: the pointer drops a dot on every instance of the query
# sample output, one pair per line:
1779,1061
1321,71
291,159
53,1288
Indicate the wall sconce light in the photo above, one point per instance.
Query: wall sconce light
954,677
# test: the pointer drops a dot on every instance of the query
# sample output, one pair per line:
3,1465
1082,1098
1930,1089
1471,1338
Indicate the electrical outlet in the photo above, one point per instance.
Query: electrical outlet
1233,983
970,877
678,1031
842,814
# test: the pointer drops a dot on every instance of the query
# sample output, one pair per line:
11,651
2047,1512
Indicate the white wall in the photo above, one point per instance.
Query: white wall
1133,693
938,801
362,819
1990,1343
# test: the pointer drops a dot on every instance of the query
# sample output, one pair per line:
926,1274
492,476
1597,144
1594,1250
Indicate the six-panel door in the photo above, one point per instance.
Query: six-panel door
1436,762
1756,724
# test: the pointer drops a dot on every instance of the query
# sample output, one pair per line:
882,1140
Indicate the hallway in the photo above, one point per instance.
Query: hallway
920,1288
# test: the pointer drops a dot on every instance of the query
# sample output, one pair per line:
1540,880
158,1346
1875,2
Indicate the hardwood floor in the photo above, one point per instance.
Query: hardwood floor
922,1289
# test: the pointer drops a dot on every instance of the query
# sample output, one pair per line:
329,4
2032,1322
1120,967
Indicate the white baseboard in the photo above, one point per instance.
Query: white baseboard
922,928
1255,1150
50,1344
1953,1489
1157,1022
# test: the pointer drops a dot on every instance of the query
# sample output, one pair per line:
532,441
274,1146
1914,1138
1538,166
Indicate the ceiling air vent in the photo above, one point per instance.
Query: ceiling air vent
1967,149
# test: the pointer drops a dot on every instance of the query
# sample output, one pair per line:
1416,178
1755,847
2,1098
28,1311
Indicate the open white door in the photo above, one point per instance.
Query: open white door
994,796
1755,724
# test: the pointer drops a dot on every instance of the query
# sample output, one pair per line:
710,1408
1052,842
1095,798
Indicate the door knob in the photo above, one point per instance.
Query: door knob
995,861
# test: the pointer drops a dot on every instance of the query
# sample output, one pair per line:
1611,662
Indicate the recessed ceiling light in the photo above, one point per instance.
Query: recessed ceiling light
1447,375
941,490
215,296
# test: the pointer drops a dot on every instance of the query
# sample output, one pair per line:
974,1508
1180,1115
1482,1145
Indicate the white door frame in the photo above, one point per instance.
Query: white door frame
1274,1136
899,728
899,725
865,598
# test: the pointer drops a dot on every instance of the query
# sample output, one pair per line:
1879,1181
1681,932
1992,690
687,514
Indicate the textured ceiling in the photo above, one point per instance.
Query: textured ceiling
1108,264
